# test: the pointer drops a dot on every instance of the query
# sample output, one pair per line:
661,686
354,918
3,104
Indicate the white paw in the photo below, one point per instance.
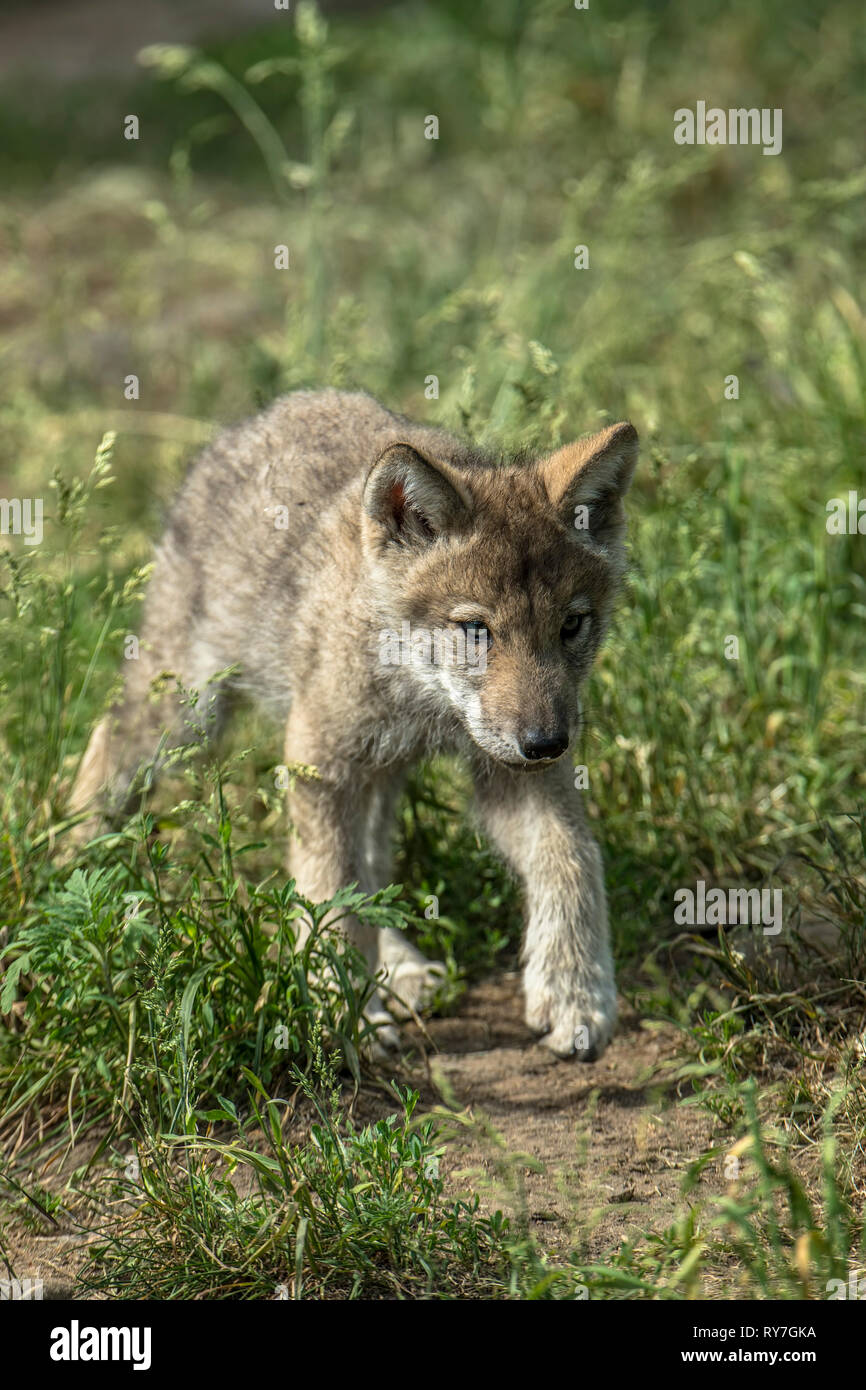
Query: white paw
575,1022
409,976
382,1037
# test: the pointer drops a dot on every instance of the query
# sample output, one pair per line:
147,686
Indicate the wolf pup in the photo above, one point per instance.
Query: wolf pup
391,592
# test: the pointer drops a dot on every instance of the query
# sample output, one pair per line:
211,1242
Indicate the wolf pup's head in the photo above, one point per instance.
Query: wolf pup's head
496,582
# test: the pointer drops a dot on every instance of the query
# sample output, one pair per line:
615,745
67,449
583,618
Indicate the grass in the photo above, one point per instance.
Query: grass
354,1213
145,982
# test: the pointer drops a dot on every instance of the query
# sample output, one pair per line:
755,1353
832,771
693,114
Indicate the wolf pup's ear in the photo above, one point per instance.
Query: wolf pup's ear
412,500
587,481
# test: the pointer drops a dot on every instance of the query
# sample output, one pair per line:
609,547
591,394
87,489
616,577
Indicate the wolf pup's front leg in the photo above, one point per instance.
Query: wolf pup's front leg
538,824
518,568
330,817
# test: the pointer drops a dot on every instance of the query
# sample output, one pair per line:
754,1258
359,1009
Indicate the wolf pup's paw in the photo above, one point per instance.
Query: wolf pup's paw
578,1024
383,1038
410,977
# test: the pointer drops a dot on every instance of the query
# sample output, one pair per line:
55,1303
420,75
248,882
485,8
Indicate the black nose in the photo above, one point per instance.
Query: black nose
537,744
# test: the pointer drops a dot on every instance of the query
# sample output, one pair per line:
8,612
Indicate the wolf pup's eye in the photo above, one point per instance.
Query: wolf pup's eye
574,624
478,632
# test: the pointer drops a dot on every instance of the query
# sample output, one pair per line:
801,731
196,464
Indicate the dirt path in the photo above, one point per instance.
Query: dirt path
605,1147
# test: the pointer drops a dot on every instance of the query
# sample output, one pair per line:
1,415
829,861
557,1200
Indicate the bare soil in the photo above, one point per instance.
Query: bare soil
591,1152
